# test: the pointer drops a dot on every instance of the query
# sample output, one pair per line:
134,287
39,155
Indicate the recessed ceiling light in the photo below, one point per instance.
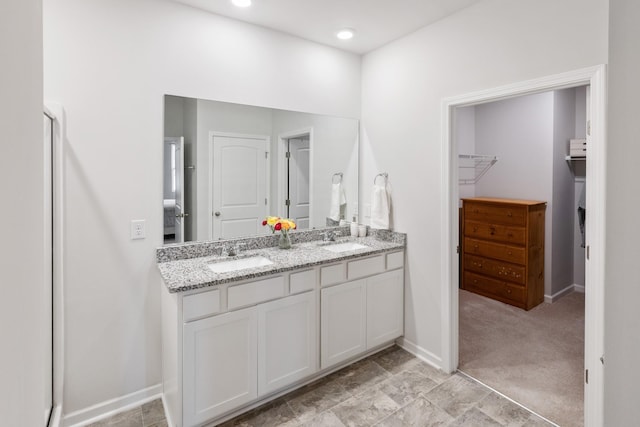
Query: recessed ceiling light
241,3
345,33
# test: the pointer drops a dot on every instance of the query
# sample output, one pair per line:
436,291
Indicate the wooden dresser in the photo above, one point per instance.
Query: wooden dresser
503,250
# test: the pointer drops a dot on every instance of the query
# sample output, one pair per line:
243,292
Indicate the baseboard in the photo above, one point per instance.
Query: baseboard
578,288
555,297
111,407
170,422
56,417
420,353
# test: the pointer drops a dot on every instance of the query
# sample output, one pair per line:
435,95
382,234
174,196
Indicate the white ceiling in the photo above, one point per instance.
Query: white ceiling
377,22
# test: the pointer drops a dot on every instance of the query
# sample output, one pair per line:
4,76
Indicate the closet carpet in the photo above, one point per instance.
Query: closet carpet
535,357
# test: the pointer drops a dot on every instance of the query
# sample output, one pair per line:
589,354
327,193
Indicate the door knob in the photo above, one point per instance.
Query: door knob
217,213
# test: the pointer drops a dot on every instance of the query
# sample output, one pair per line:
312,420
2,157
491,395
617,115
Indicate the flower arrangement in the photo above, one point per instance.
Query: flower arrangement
283,225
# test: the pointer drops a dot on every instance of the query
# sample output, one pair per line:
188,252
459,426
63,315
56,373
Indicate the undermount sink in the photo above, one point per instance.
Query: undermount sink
344,247
239,264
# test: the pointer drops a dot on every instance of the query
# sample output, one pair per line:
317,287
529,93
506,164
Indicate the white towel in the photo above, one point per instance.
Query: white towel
338,198
380,207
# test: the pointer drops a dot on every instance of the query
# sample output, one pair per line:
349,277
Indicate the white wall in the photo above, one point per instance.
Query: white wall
335,149
492,43
465,122
109,63
563,189
622,290
22,365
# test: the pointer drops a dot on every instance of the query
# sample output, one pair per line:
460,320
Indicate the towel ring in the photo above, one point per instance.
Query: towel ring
339,175
384,175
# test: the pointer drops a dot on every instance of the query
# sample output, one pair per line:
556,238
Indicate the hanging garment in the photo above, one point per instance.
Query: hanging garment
582,211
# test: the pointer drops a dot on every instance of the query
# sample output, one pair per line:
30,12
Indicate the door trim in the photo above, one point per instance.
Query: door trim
212,135
57,115
596,194
281,148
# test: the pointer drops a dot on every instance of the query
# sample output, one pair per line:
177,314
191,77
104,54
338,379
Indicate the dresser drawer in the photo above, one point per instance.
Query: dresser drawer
255,292
495,232
495,268
509,214
495,288
494,250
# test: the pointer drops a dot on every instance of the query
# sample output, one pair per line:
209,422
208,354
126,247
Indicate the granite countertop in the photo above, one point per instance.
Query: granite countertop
194,273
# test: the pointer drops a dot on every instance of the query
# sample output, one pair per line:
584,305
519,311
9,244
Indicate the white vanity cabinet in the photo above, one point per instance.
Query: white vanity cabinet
362,314
219,364
244,343
287,341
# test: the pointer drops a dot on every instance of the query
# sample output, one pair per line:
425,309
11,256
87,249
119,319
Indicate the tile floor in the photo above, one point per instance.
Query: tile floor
390,388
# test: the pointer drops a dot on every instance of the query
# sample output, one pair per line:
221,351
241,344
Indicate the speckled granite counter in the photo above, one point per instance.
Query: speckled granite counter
183,274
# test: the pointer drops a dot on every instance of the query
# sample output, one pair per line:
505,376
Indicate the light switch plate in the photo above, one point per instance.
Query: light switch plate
138,229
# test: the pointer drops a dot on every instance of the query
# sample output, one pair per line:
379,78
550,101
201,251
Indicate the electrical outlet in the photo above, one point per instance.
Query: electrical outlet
138,229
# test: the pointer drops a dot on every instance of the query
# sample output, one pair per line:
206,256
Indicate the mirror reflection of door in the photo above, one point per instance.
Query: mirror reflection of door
239,173
298,162
174,210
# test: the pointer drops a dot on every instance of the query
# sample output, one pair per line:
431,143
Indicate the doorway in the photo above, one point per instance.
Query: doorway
595,77
297,201
295,176
521,298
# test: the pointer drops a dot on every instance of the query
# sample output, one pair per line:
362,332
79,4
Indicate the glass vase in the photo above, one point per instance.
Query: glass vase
285,240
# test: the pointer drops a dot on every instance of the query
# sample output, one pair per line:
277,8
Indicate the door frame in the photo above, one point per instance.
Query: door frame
595,240
57,115
281,148
212,135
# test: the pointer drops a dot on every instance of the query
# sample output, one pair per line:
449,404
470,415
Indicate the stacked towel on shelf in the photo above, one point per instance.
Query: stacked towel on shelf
380,206
338,199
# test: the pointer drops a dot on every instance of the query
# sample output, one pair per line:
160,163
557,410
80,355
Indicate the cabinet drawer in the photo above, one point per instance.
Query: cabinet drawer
495,288
365,267
332,274
494,250
200,305
495,232
255,292
495,268
510,214
395,260
302,281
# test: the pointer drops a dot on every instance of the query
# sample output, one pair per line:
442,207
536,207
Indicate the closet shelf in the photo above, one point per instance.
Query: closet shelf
569,158
473,166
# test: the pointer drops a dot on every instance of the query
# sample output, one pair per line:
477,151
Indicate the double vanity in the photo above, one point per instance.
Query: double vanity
241,330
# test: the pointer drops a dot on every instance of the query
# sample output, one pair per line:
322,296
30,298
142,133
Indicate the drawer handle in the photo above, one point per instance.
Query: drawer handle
508,290
475,211
509,234
475,280
477,264
475,229
509,214
475,246
492,230
509,253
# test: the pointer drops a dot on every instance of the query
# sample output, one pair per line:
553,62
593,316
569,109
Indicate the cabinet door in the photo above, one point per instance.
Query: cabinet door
385,307
219,364
343,322
287,341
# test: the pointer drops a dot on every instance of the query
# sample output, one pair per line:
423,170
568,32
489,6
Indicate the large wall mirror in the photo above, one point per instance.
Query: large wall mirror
228,166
